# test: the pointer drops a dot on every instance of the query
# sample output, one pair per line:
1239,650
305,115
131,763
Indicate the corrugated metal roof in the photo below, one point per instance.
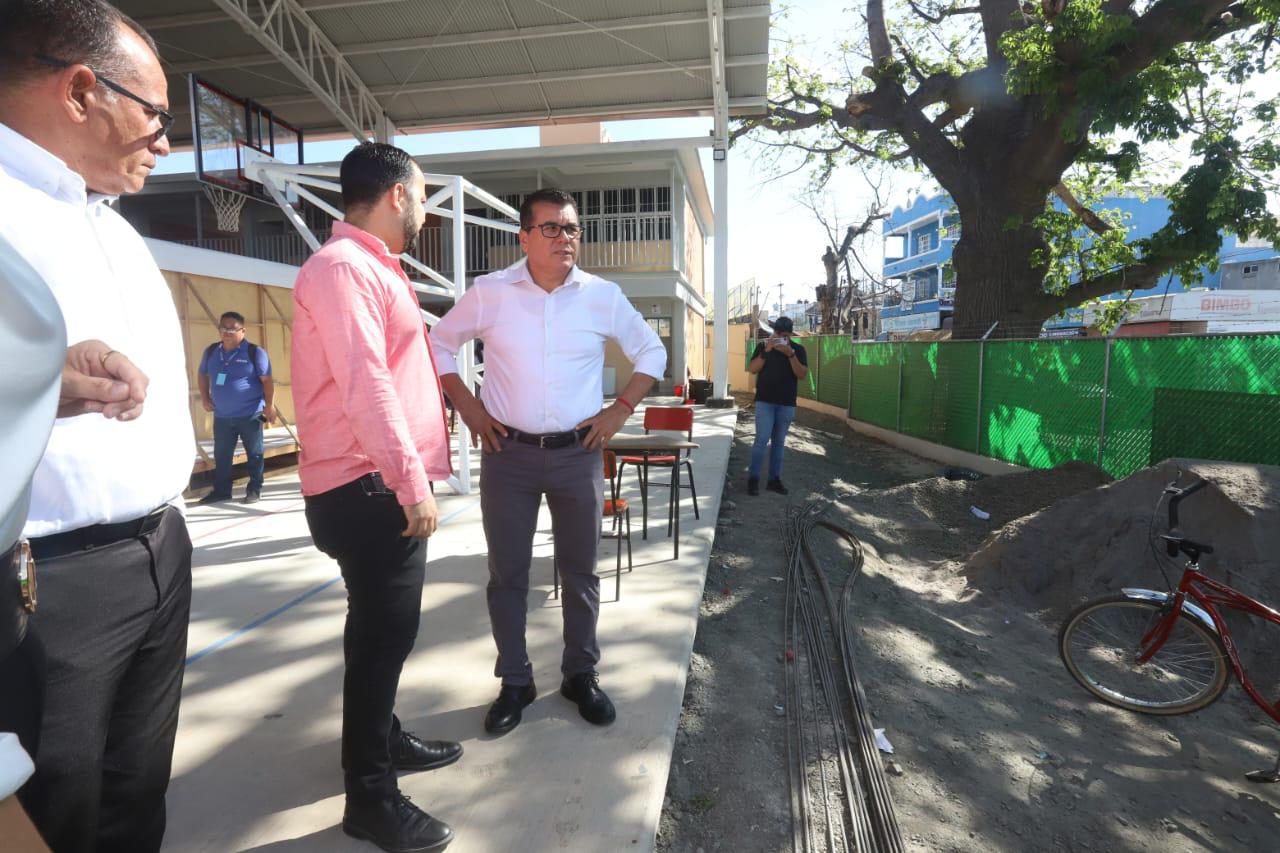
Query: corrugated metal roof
611,66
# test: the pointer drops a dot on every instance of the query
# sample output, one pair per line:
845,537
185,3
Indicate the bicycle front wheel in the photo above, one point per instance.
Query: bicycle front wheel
1099,643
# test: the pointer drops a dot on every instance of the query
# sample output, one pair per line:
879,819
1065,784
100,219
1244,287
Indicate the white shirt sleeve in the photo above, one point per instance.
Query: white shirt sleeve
15,765
639,342
455,328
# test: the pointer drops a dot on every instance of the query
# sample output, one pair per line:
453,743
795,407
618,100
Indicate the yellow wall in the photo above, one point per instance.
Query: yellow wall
264,326
739,341
693,247
695,338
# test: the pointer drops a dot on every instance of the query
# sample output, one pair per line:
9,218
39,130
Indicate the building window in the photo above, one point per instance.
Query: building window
1250,270
924,243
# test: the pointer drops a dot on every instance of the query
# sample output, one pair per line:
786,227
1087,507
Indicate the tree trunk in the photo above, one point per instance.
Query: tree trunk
995,280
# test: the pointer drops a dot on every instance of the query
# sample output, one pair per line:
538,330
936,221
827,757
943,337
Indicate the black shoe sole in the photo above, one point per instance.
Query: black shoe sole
364,835
434,765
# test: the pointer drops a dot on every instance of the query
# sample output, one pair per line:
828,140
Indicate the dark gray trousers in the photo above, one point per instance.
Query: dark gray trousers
512,484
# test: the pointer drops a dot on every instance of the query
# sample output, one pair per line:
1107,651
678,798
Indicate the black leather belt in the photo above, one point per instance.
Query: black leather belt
549,440
95,535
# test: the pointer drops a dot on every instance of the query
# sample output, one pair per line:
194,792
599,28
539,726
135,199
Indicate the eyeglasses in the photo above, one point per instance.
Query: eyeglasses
166,118
552,230
230,330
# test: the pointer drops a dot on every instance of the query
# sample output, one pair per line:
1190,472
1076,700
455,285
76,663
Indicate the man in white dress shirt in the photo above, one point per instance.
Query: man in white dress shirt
544,323
83,113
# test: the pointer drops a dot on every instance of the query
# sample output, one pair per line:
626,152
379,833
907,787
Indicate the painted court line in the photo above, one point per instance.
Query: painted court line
267,617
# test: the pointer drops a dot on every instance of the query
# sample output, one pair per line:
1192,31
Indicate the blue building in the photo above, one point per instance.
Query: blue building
920,238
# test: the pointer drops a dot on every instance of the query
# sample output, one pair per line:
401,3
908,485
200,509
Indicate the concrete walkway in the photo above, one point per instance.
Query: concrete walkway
257,762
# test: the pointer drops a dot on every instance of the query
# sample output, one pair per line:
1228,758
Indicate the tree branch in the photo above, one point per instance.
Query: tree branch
1139,276
1091,219
944,13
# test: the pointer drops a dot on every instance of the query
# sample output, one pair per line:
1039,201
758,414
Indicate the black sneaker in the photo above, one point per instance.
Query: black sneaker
214,498
251,497
584,690
776,486
504,713
753,485
396,825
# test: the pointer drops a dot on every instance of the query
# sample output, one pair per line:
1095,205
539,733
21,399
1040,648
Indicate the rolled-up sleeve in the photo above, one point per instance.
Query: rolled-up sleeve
639,342
347,312
459,325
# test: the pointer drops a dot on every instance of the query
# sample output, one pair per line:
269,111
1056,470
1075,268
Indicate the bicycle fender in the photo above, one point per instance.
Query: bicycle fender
1195,610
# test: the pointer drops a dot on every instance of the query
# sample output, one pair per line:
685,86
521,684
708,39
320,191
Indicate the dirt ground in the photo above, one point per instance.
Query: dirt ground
1000,750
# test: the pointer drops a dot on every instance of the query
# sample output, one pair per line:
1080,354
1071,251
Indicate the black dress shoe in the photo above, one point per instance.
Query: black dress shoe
504,713
776,486
214,498
584,690
412,753
251,497
753,485
396,825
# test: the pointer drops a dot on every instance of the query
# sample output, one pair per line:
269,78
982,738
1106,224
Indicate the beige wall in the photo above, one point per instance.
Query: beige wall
739,340
695,337
264,326
693,247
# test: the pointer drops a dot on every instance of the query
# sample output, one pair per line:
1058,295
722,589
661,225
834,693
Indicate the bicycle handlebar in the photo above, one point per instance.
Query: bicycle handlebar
1178,495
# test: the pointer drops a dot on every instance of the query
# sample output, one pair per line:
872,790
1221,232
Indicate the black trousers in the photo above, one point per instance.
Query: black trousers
22,676
360,527
113,621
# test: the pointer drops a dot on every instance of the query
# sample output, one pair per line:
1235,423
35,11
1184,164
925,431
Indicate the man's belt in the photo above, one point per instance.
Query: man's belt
17,596
549,440
95,535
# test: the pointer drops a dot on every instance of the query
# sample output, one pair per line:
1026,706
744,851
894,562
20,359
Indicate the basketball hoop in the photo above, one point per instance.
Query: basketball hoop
227,205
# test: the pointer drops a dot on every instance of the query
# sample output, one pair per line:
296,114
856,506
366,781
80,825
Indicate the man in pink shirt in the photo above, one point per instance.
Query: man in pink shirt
372,425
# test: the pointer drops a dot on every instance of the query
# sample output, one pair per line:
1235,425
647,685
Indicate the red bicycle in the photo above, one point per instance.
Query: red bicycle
1164,652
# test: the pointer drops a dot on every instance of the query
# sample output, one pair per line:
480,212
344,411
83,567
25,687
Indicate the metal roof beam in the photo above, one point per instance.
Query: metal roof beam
488,37
191,19
294,40
551,77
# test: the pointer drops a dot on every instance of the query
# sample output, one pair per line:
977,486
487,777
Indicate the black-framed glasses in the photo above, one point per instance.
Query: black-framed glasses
230,330
552,230
166,118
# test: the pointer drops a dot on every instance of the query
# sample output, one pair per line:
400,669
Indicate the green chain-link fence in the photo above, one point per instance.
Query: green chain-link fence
1040,403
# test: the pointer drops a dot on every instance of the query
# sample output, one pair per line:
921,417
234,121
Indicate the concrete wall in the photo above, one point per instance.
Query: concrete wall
694,244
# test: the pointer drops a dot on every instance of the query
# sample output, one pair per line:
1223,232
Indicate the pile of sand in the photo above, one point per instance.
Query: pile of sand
1097,541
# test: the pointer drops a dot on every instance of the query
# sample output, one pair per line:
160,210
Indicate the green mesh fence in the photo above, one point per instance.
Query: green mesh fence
831,352
1229,385
1215,397
940,392
1042,401
874,395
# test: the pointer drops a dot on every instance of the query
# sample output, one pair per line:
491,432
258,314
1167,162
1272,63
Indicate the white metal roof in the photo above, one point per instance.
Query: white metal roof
331,66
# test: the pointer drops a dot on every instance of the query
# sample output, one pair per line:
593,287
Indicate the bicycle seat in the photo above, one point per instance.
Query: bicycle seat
1190,548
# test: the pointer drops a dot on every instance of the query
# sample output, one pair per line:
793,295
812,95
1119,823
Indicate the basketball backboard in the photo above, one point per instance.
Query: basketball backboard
225,127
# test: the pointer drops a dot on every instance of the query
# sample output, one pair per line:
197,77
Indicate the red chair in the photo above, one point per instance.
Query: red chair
616,509
663,419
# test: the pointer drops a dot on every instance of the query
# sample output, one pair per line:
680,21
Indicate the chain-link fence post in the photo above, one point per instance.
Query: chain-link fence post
902,355
1106,385
982,357
848,403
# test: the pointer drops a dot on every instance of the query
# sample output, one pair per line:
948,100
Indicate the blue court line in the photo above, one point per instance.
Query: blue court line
267,617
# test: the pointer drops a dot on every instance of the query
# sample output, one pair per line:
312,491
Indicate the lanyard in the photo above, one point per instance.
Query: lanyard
222,355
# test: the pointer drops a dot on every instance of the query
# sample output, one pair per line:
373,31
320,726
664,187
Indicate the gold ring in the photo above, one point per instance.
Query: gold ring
102,359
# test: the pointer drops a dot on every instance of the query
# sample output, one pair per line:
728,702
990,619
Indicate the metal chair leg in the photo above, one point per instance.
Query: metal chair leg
617,580
692,491
628,539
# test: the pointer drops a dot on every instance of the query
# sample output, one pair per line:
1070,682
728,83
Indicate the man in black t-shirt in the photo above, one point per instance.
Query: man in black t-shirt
779,364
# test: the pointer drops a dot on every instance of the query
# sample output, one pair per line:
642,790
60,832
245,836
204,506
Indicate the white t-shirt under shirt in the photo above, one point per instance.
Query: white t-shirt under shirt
108,287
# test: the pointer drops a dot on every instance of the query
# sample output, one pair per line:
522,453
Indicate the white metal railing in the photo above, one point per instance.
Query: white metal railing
454,190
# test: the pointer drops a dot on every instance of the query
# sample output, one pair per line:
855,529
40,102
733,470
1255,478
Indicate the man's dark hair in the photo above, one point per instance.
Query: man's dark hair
75,31
370,169
559,198
234,315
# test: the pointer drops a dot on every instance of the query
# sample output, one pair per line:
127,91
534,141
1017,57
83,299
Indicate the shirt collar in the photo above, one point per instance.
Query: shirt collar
374,244
42,170
577,276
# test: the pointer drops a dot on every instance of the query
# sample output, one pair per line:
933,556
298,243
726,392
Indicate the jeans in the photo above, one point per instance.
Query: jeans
225,433
383,572
772,423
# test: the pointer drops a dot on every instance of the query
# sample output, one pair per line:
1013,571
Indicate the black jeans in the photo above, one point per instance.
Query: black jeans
383,572
113,620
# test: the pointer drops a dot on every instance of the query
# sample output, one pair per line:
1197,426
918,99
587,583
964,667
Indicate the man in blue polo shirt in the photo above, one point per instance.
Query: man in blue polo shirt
235,384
